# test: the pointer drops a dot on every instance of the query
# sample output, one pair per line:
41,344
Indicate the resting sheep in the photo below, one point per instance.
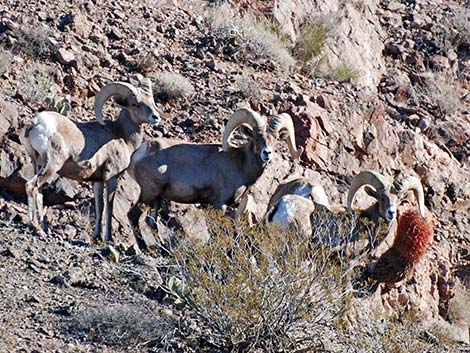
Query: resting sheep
294,202
57,144
389,195
210,173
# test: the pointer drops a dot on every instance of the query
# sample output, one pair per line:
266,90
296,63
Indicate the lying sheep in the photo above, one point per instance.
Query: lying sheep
57,144
210,173
293,203
389,195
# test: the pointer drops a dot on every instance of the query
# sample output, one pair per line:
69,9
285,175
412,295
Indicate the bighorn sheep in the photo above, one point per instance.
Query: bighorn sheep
294,202
57,144
388,195
210,173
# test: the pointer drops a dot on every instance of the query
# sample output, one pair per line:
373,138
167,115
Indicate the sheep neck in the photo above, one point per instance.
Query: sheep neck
125,128
251,164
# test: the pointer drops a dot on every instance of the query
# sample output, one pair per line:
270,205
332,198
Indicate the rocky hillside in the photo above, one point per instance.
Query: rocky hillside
382,85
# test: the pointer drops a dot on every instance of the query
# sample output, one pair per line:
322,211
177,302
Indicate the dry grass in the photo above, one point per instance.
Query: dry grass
254,38
171,86
439,93
120,325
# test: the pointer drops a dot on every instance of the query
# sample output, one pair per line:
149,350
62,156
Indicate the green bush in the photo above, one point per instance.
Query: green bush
311,41
344,73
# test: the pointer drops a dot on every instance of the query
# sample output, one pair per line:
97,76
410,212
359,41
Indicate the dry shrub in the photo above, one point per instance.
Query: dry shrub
35,84
171,85
378,332
438,91
252,36
145,63
34,42
414,236
255,291
248,87
121,325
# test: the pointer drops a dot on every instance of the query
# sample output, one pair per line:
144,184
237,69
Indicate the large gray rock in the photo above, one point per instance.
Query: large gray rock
354,40
8,118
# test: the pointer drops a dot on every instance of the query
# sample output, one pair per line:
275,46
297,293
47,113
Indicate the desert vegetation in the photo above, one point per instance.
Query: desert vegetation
381,86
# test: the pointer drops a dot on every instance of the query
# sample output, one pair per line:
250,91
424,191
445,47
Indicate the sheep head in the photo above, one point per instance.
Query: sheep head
138,101
263,135
388,195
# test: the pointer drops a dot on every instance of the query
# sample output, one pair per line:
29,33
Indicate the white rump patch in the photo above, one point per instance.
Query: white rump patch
44,126
285,213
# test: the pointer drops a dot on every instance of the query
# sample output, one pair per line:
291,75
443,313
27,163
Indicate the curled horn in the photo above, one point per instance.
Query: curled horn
367,177
283,126
410,183
121,89
242,116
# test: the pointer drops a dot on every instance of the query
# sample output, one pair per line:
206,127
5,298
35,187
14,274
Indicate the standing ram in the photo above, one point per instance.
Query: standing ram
210,173
57,144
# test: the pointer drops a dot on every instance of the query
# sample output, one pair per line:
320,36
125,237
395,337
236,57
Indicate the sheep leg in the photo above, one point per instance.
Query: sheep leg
34,191
157,204
109,193
32,195
98,187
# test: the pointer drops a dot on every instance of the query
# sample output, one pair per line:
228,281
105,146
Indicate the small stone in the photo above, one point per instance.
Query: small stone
324,102
59,280
424,123
65,20
69,231
452,55
65,57
75,276
111,253
211,64
440,63
395,6
11,252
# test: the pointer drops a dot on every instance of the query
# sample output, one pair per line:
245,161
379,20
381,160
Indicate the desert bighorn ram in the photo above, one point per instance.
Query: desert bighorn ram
57,144
389,195
210,173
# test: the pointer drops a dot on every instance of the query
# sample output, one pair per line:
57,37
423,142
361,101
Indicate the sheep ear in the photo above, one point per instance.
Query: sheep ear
371,192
